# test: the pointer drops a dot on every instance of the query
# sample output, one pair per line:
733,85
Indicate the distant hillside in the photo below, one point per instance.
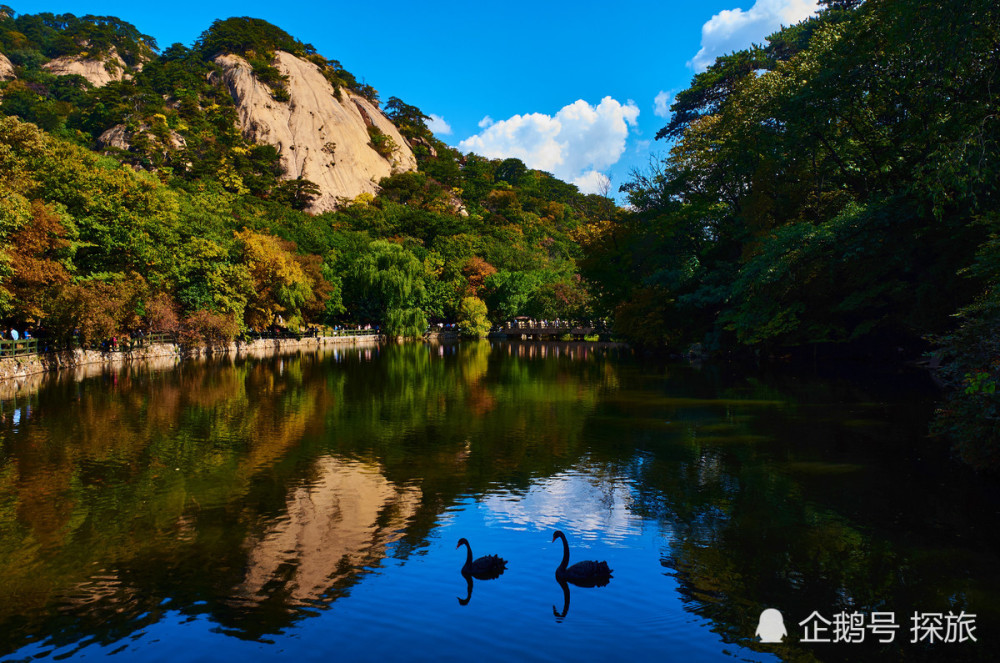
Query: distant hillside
332,141
247,181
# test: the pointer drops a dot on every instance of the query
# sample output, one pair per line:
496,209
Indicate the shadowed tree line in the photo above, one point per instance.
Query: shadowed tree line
830,191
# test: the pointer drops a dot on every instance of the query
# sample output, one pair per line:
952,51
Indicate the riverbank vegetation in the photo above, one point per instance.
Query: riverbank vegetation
831,191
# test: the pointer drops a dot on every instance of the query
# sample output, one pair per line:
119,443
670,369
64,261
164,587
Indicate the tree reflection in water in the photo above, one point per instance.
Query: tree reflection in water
286,477
258,492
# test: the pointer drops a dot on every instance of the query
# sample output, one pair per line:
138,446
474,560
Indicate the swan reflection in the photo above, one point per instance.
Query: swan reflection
565,590
468,591
582,574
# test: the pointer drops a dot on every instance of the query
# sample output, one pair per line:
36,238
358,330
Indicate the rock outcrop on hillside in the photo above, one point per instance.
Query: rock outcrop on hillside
121,138
6,68
99,72
320,138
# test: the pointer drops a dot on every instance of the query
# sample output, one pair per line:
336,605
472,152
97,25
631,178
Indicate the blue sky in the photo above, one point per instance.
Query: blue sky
569,87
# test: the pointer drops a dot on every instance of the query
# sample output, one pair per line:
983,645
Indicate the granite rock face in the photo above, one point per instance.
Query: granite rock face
119,137
320,137
99,72
6,68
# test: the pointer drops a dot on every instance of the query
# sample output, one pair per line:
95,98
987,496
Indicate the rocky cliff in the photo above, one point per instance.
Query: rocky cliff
121,138
6,68
320,138
99,72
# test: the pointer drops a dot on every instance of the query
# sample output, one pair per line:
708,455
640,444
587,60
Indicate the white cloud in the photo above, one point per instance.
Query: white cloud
485,122
438,125
574,144
734,29
661,105
593,181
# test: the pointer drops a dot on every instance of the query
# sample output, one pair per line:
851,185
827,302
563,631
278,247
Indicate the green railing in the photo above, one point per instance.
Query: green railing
25,346
34,346
316,333
349,332
154,339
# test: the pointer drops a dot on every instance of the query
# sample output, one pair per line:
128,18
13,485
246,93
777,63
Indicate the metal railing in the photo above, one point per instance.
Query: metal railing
312,333
154,339
555,325
351,332
19,348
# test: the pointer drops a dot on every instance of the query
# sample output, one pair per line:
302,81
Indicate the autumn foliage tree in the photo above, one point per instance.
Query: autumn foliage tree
476,271
38,252
98,310
281,287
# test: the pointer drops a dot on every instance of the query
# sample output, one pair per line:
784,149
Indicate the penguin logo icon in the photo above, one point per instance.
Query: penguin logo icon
771,627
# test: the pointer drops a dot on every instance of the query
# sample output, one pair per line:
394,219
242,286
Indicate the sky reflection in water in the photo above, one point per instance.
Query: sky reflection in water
308,507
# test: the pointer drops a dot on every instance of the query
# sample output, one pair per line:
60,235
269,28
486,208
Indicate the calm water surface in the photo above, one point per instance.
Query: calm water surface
307,507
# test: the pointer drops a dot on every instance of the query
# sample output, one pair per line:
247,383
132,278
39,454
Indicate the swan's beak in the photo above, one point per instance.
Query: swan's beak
553,536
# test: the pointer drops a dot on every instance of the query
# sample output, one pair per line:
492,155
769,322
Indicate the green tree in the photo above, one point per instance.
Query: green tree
389,289
509,294
473,321
410,120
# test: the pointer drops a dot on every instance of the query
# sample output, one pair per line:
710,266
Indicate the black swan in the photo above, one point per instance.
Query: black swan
581,574
484,568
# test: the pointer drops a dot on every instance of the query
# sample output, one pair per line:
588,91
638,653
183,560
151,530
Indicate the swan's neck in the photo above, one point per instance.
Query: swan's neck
468,553
565,559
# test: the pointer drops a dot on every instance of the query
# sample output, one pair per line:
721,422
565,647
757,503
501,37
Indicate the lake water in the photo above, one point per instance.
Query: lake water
307,507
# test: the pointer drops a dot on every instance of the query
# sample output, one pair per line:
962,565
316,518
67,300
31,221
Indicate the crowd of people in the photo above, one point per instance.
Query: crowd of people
12,334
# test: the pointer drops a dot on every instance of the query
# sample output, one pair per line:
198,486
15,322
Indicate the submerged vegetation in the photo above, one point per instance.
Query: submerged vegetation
832,191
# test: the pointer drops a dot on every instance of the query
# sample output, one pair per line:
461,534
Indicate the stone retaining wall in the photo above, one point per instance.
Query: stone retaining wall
19,367
442,335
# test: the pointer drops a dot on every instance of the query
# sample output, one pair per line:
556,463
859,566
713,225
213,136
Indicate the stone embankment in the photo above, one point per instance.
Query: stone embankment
26,365
441,335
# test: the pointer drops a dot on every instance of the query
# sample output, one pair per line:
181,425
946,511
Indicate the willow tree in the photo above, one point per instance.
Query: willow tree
392,282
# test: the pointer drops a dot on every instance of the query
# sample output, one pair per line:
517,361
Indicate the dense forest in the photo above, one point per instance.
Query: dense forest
832,191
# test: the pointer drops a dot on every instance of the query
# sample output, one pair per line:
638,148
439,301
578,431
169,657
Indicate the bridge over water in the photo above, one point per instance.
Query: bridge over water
547,330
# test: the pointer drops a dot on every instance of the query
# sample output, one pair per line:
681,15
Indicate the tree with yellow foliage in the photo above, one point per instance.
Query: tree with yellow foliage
281,286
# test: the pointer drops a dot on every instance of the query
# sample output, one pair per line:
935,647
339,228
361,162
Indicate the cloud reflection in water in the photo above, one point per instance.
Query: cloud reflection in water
588,501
